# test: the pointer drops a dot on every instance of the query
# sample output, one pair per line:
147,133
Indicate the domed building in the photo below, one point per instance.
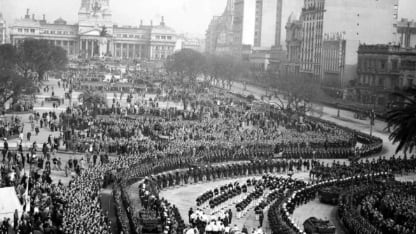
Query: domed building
96,35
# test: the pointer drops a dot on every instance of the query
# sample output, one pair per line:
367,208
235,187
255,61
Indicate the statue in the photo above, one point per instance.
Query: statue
103,42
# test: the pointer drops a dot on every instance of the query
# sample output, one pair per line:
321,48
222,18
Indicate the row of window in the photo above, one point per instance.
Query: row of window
131,36
157,37
53,32
162,37
168,48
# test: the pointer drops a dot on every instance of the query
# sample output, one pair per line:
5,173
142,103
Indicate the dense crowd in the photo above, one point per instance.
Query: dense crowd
212,128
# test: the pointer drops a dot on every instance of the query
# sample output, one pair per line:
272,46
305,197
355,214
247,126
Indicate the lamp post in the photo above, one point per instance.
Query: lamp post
338,110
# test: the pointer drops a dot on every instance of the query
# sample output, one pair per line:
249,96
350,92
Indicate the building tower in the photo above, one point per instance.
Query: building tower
312,18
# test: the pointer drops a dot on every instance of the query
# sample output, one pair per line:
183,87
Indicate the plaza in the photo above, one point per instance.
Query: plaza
128,129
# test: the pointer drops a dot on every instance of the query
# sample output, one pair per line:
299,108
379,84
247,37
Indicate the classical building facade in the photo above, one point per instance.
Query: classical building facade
96,35
3,30
383,69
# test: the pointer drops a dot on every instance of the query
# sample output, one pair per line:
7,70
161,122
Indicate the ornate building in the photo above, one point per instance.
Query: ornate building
293,44
96,35
383,69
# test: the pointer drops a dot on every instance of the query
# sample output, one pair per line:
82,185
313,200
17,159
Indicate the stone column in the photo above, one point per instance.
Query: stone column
92,48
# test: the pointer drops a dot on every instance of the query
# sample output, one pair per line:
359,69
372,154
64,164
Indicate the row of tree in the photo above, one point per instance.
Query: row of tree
190,64
225,68
22,67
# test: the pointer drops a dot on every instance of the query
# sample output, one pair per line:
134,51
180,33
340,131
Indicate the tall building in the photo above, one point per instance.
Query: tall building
383,69
407,33
3,30
312,30
268,23
96,35
243,26
353,21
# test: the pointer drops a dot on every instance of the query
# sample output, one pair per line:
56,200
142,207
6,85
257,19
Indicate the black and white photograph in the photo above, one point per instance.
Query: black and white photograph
208,117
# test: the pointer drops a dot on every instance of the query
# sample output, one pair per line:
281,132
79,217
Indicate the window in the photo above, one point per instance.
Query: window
59,32
169,37
26,30
383,65
131,36
381,82
19,30
157,37
32,30
163,37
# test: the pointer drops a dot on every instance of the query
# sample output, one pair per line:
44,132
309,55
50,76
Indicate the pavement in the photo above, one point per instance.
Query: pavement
191,192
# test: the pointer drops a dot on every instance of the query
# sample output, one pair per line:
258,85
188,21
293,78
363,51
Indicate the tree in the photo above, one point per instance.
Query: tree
401,118
40,56
186,63
12,84
298,89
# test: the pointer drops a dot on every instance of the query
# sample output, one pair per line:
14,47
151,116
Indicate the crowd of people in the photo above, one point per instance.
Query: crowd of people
190,143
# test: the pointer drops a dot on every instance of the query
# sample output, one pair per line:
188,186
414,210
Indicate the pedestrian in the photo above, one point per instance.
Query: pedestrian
261,217
28,135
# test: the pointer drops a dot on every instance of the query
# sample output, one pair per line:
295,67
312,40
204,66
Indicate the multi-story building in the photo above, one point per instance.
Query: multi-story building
268,23
219,35
407,33
333,61
3,30
293,44
312,18
96,35
383,69
352,21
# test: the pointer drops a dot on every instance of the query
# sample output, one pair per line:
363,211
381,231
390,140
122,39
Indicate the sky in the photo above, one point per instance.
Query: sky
185,16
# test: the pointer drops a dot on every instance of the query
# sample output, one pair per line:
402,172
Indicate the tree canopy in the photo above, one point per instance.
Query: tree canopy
40,56
19,63
190,64
401,118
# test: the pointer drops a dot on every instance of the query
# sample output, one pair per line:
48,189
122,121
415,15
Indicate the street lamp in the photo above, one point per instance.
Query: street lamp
338,111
